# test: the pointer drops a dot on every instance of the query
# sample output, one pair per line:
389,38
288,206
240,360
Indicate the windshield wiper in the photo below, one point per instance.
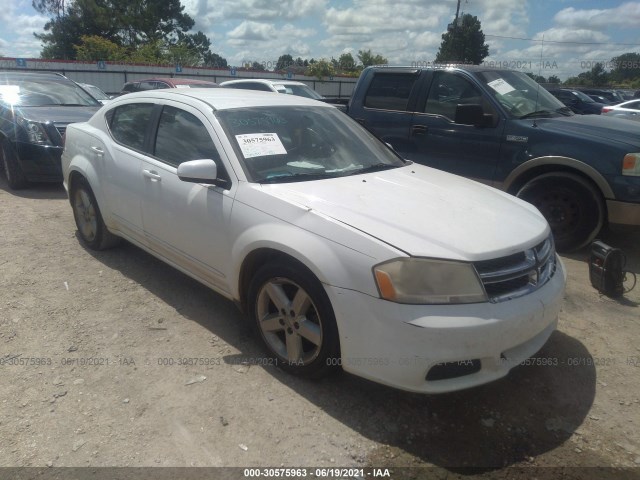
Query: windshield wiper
537,113
297,177
566,111
376,167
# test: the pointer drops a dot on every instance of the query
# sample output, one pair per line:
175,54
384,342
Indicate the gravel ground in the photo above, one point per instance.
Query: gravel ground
93,348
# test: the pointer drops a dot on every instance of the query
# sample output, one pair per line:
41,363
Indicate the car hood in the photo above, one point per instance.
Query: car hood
423,212
58,114
598,127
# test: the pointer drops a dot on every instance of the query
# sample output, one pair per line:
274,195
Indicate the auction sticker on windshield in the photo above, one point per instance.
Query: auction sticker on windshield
501,86
260,144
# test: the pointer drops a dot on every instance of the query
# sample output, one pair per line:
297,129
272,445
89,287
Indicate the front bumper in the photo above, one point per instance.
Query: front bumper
623,213
398,345
40,163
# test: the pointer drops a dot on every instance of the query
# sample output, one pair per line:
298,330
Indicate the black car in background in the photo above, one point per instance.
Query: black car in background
35,109
577,101
611,95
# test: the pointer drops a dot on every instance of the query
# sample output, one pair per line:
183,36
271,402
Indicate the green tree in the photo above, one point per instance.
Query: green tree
284,61
346,63
626,67
553,79
95,48
214,60
320,69
464,42
367,58
598,76
257,66
128,23
51,7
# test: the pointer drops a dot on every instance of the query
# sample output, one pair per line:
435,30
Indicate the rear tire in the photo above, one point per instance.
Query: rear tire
91,228
573,207
294,318
12,168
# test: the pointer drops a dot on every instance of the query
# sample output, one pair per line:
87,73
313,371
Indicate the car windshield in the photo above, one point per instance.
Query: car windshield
303,91
280,144
39,92
583,96
520,95
96,92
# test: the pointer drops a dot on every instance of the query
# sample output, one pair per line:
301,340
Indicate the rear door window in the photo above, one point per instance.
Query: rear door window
390,91
128,124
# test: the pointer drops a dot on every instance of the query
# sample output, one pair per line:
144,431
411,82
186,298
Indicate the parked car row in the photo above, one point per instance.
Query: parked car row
588,101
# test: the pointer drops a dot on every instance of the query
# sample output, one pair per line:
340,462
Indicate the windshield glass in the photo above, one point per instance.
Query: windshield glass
520,95
289,144
95,91
39,92
303,91
583,96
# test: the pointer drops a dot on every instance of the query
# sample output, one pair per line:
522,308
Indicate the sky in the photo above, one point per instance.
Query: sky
546,37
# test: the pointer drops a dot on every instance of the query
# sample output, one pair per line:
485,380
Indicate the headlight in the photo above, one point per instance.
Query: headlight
36,132
425,281
631,165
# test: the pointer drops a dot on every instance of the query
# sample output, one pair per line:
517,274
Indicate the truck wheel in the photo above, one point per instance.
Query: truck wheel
12,169
294,317
573,207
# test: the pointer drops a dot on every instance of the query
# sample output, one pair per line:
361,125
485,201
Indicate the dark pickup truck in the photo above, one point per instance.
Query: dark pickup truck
501,128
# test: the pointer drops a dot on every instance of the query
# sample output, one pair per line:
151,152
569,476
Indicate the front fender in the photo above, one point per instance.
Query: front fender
565,162
332,263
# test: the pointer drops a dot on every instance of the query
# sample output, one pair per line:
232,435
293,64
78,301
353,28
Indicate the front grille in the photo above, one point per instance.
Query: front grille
519,274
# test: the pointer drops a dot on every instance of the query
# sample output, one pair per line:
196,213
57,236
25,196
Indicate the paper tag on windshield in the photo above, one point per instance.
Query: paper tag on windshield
260,144
501,86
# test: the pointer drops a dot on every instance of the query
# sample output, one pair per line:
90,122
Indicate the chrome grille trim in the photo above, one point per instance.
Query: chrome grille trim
520,274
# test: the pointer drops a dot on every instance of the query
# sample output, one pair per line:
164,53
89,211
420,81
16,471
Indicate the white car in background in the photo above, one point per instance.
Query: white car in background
342,253
629,110
289,87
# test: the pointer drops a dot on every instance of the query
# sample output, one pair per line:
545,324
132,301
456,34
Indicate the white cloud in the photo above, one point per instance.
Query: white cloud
626,15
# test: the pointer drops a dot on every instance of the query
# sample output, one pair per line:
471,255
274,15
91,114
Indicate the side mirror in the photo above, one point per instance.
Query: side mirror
198,171
472,114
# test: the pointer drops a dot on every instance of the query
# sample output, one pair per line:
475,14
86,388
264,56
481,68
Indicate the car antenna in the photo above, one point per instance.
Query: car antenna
539,72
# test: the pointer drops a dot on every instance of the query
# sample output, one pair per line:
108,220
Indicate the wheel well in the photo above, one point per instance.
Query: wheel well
545,169
257,259
73,178
529,175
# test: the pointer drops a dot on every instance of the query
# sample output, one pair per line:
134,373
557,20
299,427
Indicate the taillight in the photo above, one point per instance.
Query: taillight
606,109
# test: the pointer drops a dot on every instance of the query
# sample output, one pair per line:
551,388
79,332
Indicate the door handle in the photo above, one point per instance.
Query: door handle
419,130
153,175
98,151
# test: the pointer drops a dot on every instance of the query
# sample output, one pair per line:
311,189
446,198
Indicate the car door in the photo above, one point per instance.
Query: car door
631,110
185,222
436,140
129,126
387,104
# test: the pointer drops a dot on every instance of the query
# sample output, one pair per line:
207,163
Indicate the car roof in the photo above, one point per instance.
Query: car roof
174,80
43,75
224,98
273,81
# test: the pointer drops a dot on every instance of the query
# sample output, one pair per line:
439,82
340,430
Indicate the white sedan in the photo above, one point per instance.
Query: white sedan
629,110
342,253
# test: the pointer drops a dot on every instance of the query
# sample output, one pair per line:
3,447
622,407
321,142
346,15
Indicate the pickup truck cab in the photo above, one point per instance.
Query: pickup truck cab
501,128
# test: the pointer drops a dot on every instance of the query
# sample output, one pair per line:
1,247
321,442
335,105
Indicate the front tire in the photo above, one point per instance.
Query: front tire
12,168
571,204
294,317
91,228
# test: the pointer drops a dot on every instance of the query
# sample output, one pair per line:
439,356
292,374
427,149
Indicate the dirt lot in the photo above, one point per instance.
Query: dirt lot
91,346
